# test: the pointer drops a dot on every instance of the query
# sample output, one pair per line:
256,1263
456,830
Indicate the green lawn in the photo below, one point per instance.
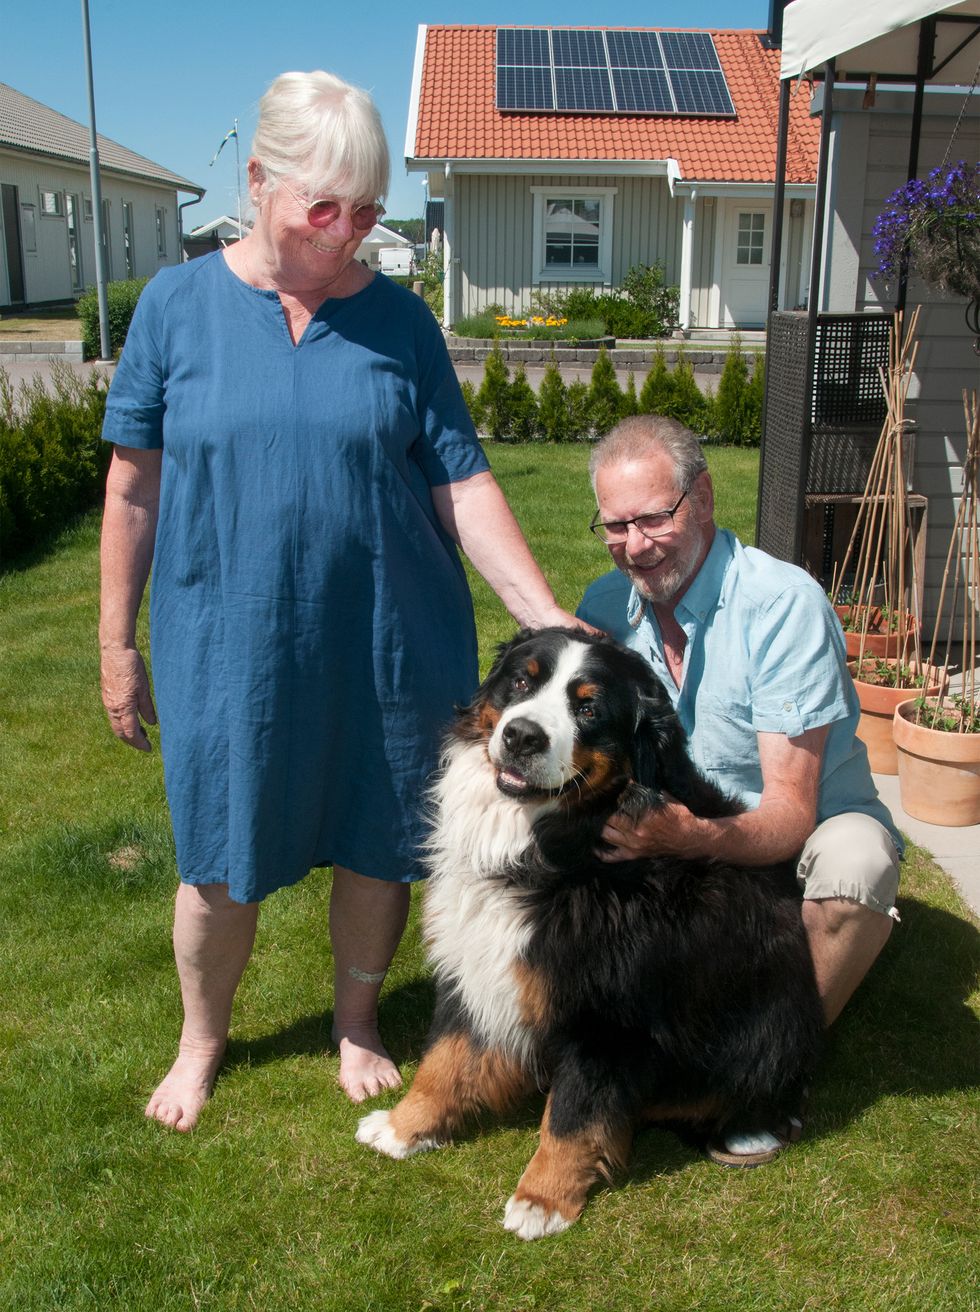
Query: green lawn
271,1204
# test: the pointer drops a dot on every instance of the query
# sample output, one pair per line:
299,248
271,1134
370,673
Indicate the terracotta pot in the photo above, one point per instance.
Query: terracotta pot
938,772
875,644
877,716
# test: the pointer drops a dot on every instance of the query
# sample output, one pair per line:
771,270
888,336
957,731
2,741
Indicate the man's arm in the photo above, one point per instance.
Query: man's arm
784,819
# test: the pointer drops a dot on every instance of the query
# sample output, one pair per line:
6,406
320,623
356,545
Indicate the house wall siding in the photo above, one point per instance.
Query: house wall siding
869,161
493,241
47,272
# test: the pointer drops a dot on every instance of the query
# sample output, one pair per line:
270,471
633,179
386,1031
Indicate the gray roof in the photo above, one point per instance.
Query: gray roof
26,124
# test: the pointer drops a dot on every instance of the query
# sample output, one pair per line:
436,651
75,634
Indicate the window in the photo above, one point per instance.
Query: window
573,234
161,231
87,208
28,228
128,250
52,204
750,239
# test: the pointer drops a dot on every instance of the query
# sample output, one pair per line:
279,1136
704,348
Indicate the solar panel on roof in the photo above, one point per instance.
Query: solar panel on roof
621,71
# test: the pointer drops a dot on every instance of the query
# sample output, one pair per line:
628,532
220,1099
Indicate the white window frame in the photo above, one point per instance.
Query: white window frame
543,272
161,223
58,199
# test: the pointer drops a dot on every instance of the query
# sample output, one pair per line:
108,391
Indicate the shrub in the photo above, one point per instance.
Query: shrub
523,408
477,325
579,411
52,458
493,398
643,307
688,404
472,403
630,404
754,400
431,274
553,423
730,398
605,395
121,298
657,392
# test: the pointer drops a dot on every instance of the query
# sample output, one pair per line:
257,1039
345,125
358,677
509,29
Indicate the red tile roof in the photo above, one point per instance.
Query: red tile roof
457,118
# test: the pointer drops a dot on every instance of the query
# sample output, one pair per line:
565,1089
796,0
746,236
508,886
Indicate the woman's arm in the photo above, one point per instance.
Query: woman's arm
128,532
475,514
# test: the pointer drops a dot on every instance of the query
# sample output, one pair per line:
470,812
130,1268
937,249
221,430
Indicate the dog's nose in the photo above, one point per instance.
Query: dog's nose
522,737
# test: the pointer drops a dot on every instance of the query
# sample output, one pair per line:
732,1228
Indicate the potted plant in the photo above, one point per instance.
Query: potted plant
937,736
876,600
931,227
882,683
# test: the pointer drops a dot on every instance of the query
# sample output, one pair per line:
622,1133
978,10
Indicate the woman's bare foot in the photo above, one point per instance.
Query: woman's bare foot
177,1101
366,1069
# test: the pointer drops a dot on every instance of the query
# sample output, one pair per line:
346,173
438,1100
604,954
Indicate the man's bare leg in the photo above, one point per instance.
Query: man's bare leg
367,918
845,938
213,939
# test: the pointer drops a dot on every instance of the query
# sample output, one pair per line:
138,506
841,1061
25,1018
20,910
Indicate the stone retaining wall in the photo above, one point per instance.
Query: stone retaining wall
22,352
474,350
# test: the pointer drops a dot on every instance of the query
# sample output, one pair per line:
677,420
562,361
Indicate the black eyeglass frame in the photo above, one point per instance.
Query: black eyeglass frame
667,516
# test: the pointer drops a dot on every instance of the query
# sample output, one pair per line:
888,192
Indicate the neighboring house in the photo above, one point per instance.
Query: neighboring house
381,239
567,156
214,236
47,243
900,103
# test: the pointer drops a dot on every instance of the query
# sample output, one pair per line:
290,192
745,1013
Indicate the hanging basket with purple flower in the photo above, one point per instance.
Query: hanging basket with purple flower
932,227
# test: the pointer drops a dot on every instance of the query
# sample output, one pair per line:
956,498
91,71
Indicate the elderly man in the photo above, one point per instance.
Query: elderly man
753,658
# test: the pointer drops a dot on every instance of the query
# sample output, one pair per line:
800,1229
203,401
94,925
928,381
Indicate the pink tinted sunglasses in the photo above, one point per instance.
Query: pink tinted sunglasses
321,213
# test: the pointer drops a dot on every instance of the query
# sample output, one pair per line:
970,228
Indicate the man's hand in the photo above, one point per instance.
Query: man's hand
126,695
666,830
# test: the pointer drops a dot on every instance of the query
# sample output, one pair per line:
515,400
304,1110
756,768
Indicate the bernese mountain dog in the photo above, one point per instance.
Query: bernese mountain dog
657,990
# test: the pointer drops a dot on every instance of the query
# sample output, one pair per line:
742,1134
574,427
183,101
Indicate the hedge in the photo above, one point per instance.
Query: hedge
121,298
509,411
53,461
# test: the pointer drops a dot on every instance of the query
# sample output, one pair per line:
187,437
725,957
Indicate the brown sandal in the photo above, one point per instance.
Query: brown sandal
718,1150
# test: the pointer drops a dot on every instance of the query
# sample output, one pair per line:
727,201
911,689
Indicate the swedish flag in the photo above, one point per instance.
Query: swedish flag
227,137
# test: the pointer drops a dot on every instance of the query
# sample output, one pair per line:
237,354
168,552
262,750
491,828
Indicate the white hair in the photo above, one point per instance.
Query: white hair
325,134
641,436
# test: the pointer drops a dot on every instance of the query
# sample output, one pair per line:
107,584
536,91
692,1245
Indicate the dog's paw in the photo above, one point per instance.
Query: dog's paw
376,1131
530,1220
637,798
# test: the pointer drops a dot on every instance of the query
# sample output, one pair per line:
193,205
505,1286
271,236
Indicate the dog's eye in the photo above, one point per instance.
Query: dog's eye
520,684
586,711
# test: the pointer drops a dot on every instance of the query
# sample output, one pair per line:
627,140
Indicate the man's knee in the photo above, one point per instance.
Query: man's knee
850,859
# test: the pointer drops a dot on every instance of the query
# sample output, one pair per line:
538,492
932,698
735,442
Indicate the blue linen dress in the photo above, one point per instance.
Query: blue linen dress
310,623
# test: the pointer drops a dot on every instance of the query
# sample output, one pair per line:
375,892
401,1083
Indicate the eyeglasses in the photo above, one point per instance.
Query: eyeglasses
321,213
654,525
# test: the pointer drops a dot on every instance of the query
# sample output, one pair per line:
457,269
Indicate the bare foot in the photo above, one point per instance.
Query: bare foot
177,1100
366,1069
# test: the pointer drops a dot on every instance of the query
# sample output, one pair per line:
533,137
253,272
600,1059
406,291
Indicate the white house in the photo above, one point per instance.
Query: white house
568,155
47,243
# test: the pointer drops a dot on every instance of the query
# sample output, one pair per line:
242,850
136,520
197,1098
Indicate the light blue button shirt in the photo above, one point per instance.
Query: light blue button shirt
764,654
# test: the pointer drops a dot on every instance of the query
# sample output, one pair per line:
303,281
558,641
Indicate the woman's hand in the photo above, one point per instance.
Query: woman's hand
126,695
557,618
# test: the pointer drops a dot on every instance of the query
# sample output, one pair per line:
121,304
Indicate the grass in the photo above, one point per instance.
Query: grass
55,325
270,1204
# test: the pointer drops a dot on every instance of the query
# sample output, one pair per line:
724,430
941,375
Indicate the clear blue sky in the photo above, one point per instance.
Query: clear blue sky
171,78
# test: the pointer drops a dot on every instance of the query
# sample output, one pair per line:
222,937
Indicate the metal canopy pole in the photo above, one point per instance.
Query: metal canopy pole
813,302
927,46
105,350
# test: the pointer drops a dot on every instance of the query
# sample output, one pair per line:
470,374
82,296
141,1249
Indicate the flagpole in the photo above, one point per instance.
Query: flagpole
238,182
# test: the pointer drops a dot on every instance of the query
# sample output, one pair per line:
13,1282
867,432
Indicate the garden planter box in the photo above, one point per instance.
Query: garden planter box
877,717
938,772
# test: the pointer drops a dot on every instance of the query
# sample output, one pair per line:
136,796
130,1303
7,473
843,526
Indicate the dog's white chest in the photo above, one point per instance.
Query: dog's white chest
477,929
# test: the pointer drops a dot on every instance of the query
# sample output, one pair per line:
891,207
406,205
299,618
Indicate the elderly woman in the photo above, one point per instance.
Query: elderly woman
293,455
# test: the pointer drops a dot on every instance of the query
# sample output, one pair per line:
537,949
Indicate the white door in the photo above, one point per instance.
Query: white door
745,265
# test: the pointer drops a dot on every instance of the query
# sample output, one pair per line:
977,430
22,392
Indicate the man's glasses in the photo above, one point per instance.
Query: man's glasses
321,213
654,525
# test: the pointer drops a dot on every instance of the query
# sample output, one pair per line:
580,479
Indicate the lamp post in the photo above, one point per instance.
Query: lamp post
105,351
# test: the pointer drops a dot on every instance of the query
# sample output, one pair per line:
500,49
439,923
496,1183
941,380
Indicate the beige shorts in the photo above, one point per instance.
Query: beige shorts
851,856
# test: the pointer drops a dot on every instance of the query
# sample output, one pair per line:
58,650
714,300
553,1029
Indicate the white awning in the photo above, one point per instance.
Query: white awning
878,36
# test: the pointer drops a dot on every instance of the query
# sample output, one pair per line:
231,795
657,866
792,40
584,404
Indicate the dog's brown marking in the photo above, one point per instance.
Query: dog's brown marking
456,1078
533,667
705,1112
535,996
561,1172
587,691
487,717
595,768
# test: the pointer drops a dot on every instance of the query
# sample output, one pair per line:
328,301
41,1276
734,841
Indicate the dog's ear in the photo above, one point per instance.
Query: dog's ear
659,744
